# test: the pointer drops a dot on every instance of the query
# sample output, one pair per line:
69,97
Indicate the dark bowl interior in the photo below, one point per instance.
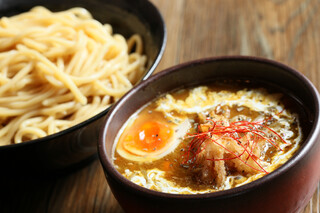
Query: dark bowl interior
287,189
75,146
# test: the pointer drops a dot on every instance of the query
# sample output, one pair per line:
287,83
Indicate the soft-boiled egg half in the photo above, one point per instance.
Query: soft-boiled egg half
150,136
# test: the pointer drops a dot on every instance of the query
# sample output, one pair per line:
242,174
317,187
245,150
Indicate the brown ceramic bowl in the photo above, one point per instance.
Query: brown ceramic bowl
287,189
77,145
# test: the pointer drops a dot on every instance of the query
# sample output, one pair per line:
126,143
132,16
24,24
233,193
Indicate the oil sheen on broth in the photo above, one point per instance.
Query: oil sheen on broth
208,138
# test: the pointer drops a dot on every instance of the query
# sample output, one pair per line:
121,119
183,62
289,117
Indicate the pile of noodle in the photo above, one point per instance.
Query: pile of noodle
59,69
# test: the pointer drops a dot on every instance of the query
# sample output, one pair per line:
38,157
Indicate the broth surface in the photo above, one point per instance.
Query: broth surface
209,138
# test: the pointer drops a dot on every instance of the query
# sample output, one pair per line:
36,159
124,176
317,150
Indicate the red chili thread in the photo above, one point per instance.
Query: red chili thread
251,131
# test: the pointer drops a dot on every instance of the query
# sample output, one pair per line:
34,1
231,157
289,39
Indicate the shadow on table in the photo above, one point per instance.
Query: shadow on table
31,192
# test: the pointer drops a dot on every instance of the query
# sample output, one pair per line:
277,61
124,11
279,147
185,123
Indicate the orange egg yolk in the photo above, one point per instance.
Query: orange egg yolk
149,137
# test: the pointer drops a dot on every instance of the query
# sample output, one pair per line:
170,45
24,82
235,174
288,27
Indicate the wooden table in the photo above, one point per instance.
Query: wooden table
283,30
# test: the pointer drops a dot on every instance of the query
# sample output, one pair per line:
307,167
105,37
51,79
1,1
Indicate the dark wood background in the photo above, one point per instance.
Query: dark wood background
283,30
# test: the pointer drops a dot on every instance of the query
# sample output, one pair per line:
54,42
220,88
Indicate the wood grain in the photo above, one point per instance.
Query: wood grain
283,30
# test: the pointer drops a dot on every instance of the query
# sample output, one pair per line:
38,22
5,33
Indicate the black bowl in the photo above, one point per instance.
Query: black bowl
287,189
77,145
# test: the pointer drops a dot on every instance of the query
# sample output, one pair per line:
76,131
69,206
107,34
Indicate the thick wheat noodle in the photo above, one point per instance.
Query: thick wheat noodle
58,69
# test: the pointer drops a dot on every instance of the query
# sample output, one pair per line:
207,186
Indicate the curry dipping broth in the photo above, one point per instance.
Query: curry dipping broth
209,138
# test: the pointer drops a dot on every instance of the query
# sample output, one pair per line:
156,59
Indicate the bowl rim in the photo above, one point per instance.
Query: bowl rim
304,149
145,76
